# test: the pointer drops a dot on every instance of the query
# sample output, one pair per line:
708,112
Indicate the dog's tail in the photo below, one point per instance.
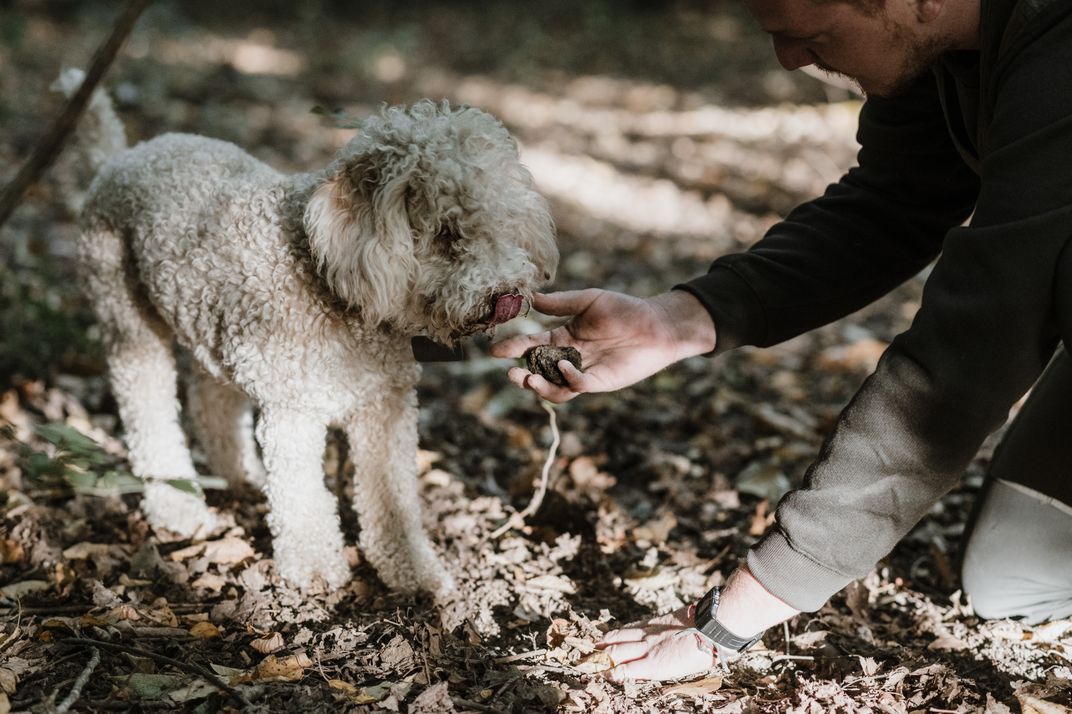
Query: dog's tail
100,133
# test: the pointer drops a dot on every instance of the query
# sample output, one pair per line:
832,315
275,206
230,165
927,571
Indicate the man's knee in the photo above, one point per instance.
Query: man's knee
989,593
1018,561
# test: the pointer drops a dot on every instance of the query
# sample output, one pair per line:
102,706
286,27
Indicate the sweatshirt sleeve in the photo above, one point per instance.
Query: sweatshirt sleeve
987,326
879,225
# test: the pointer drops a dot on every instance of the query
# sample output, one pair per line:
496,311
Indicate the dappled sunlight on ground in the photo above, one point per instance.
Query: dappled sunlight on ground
664,135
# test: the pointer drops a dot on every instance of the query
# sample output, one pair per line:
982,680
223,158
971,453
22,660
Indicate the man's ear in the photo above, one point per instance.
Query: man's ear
360,237
929,10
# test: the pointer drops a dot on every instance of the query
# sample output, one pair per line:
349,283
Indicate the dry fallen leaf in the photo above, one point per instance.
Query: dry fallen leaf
1034,705
557,632
122,613
8,681
341,686
84,551
656,530
282,669
556,583
11,551
205,631
597,661
700,687
228,551
763,480
188,552
868,665
15,591
948,641
212,582
267,645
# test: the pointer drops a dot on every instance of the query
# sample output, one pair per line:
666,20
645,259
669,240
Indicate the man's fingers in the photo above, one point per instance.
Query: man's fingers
669,659
622,634
534,382
517,346
563,304
577,380
626,652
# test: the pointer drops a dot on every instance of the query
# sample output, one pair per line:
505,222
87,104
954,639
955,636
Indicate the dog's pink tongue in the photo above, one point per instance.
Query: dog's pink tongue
507,308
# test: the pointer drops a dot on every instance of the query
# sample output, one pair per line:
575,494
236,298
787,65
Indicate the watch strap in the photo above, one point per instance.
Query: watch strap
708,625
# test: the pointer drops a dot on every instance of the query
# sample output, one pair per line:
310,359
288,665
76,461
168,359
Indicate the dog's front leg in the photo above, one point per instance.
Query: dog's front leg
303,514
383,447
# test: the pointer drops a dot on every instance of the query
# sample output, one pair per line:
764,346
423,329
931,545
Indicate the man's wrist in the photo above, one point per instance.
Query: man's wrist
746,608
689,322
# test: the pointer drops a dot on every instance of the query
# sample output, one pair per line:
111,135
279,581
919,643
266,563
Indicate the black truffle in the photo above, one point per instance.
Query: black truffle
543,360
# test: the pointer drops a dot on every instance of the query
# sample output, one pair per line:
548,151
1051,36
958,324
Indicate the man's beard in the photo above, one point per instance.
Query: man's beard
920,55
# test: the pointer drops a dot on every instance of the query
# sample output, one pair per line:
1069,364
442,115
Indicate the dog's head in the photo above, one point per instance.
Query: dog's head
428,222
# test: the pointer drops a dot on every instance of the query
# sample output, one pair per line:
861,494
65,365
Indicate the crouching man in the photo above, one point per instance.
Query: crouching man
969,113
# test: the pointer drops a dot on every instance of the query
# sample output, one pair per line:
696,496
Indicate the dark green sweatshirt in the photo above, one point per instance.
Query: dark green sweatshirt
988,131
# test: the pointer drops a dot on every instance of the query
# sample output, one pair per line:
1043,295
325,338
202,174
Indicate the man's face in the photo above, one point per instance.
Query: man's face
883,51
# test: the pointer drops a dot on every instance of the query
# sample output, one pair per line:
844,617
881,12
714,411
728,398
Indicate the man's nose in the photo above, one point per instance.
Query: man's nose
792,54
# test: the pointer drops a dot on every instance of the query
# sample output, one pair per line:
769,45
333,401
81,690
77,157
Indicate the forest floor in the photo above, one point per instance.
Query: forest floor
662,139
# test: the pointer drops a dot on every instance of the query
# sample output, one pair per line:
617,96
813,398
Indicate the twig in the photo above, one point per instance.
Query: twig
551,668
475,705
503,687
53,665
178,608
518,519
519,656
185,666
76,690
50,144
15,634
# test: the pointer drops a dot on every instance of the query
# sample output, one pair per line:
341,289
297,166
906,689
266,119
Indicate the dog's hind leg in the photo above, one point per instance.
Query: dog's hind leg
302,513
383,447
143,376
222,420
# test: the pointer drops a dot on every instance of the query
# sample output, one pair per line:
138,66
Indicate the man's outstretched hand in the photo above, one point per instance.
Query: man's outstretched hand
668,647
665,647
622,339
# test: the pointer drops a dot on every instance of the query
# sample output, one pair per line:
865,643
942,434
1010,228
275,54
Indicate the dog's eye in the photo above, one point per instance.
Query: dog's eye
446,234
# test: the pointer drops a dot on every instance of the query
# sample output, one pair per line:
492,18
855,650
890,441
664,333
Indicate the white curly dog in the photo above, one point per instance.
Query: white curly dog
299,295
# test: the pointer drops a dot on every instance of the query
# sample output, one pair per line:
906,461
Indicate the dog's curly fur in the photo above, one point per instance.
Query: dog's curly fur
299,294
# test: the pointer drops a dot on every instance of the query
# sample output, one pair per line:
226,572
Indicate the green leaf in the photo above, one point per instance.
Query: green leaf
67,437
80,480
153,686
186,485
212,482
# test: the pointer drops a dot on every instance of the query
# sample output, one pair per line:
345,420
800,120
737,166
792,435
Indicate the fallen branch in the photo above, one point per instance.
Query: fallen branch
211,677
52,142
76,691
85,609
518,519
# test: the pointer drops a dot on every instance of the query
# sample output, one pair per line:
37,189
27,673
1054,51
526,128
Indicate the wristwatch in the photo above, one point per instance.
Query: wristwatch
726,644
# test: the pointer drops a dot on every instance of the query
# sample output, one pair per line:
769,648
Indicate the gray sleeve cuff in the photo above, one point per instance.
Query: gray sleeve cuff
792,576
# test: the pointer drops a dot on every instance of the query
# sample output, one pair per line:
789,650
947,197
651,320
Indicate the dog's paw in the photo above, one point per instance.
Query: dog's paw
420,571
168,508
440,585
311,566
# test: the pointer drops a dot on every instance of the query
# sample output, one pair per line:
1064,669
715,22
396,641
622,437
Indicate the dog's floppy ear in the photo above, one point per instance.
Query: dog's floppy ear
360,236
